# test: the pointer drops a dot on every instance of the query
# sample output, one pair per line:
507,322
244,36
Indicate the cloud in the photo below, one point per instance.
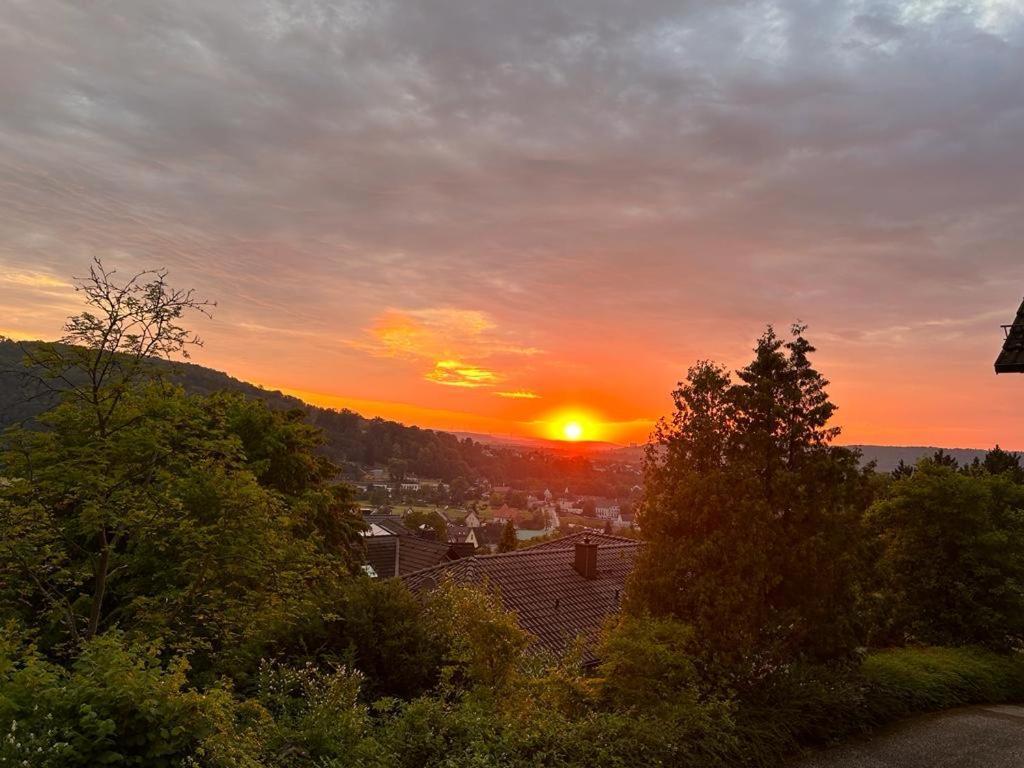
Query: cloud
519,394
599,179
453,373
431,333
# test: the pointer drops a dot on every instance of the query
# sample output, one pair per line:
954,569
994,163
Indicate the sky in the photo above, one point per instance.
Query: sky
500,216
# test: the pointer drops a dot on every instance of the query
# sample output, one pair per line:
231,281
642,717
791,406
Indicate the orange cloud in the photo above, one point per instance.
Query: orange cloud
519,395
453,373
445,333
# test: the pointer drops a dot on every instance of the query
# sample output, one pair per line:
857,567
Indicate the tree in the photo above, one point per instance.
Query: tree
952,560
105,353
902,470
751,516
944,459
508,542
1000,462
429,520
202,520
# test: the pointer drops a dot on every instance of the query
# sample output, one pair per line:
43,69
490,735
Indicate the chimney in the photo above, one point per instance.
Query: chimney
586,558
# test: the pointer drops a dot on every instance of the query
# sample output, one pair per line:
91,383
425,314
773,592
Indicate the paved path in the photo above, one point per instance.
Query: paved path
975,737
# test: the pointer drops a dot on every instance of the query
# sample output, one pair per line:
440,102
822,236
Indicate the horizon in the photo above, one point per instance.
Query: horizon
529,220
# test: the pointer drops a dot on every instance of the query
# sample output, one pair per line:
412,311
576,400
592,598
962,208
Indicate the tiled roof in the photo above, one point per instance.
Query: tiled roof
569,542
551,600
413,554
381,554
1011,357
390,523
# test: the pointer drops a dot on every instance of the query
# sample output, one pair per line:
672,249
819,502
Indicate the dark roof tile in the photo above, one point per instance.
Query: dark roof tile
551,600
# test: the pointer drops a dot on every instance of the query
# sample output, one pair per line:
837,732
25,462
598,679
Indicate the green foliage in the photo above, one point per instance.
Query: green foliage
482,642
117,705
952,557
751,517
428,518
168,510
374,627
647,663
509,540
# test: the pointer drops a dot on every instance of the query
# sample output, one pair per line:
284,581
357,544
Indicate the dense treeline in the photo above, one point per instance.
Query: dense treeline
179,585
350,440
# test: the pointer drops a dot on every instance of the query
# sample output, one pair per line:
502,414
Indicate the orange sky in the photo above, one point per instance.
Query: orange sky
502,216
927,381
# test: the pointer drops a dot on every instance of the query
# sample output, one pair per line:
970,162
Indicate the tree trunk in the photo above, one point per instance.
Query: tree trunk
100,586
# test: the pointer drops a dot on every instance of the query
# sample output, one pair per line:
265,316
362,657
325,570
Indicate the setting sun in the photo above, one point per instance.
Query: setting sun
572,431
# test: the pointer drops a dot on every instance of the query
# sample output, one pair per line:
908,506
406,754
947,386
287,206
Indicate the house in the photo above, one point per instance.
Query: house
410,484
472,520
560,590
462,534
391,549
607,509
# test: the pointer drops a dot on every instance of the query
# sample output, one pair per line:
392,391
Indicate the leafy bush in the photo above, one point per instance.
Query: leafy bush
117,705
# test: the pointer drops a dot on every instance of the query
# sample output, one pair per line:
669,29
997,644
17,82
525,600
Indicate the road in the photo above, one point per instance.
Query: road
974,737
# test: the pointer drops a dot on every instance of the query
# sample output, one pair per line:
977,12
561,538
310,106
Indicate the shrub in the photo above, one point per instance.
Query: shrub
117,705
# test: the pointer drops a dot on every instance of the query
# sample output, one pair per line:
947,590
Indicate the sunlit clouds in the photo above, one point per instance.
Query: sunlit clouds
455,374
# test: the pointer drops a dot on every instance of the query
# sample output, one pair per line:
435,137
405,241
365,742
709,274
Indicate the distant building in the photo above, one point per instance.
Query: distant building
607,509
410,484
560,590
472,520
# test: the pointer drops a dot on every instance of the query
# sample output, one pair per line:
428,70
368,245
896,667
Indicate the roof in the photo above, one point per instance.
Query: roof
569,542
551,600
1011,357
390,523
458,533
397,555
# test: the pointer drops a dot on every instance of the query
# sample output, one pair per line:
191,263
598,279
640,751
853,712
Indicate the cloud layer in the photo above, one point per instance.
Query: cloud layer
572,199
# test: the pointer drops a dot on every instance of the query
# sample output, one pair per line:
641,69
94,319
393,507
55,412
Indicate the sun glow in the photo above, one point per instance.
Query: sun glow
571,425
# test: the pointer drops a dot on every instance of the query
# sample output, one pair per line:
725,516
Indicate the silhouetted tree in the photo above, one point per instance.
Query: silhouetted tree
1000,462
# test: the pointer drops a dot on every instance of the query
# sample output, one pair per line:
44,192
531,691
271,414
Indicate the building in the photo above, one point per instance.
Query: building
462,534
410,484
607,509
392,550
472,520
560,590
1011,356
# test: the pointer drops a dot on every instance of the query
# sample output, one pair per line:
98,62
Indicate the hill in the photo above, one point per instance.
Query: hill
356,442
887,457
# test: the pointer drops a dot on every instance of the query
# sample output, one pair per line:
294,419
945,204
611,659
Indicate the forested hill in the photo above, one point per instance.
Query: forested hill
350,438
888,457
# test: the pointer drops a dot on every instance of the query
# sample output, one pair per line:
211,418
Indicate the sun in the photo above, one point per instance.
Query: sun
572,430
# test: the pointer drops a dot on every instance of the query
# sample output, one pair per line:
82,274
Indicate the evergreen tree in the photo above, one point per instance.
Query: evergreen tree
508,541
1000,462
751,516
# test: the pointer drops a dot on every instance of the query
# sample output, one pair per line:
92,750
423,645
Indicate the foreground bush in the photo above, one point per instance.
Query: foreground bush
815,705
